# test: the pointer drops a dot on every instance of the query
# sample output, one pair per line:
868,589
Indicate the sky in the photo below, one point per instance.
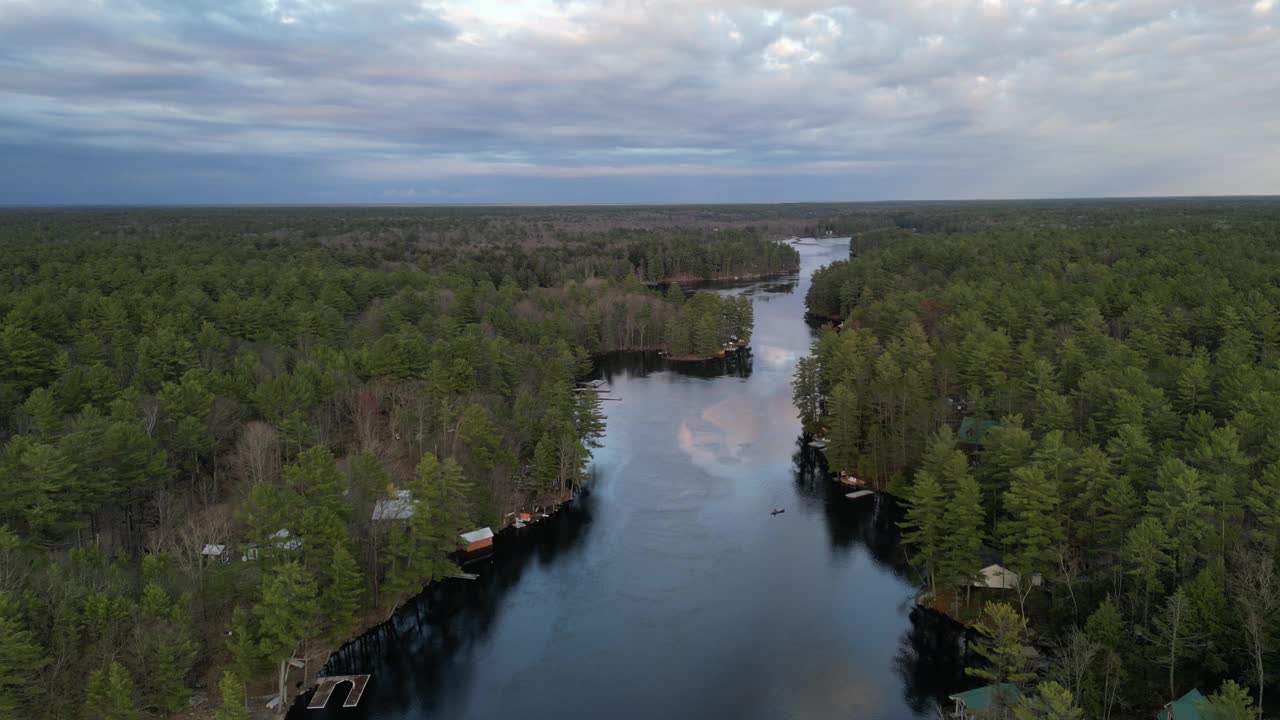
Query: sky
634,101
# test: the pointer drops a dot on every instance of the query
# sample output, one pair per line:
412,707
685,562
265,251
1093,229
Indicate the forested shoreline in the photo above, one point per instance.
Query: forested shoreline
202,411
1087,395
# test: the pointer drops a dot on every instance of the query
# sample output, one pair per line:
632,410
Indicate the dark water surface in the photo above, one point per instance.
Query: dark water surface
668,590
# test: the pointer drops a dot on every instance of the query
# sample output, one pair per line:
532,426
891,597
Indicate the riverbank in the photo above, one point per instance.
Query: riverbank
684,279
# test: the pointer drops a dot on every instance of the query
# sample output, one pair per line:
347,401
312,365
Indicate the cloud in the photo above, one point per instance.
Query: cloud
617,100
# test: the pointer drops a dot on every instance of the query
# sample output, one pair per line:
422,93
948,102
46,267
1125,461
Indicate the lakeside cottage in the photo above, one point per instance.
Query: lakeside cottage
397,507
1186,707
996,576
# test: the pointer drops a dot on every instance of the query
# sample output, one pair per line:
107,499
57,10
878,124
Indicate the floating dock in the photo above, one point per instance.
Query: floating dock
859,494
327,685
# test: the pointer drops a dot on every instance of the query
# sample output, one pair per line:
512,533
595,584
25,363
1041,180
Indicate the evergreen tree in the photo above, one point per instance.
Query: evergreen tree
341,598
232,706
1230,702
419,553
924,526
1178,500
1263,500
110,695
806,395
1050,702
21,659
846,429
286,611
166,650
1146,554
1033,527
964,520
1001,628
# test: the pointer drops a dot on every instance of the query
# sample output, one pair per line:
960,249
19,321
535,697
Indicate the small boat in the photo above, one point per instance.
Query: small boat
778,511
859,494
847,479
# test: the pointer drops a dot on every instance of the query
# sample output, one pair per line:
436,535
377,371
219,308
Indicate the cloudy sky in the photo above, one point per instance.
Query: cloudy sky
412,101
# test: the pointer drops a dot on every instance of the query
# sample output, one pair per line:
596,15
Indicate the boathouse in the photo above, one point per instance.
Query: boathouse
477,539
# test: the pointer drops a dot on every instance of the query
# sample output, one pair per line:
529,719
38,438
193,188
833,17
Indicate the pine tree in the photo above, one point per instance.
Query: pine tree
231,690
1001,646
1145,552
805,394
846,428
340,600
1230,702
924,526
287,611
1050,702
110,695
964,520
242,643
1178,501
419,553
1264,504
21,659
1033,527
167,650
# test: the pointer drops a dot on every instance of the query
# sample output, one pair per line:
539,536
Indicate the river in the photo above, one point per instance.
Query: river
668,590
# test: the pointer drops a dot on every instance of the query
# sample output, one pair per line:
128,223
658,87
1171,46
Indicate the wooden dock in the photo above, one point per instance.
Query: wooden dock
324,691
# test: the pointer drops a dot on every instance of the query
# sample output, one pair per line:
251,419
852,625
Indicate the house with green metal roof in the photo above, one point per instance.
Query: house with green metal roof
973,430
1186,707
973,703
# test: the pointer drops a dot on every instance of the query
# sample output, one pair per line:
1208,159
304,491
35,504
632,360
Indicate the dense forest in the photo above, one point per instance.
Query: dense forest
232,437
1088,394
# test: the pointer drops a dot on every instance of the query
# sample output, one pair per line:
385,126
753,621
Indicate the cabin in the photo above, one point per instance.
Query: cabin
396,507
215,552
973,431
281,540
978,702
996,576
1186,707
477,539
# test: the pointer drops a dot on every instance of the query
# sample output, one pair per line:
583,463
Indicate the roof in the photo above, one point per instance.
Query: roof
483,533
1186,707
214,550
973,431
982,698
399,507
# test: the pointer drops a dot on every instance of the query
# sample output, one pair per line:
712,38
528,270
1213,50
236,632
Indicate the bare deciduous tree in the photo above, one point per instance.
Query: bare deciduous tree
1071,660
257,453
1256,590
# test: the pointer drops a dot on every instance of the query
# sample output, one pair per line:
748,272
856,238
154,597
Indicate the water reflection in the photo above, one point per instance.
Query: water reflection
669,589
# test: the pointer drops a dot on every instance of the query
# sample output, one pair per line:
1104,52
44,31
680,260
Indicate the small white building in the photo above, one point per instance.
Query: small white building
999,577
397,507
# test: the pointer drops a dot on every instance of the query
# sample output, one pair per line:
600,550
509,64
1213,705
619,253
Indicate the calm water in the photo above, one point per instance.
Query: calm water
668,590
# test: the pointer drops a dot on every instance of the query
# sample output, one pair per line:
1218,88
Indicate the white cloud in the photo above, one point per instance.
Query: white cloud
938,97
